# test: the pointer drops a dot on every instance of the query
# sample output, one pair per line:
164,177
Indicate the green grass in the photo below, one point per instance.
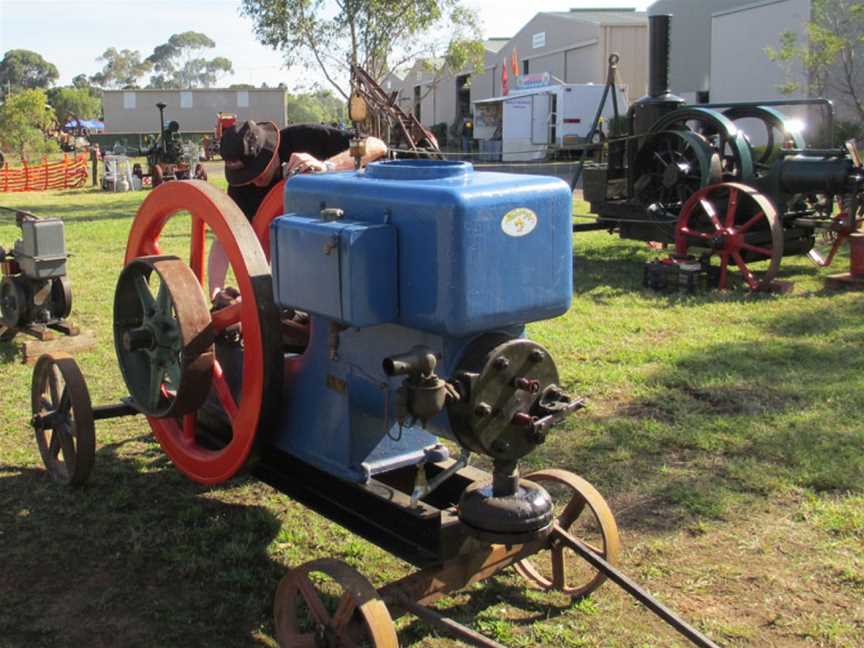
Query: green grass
724,429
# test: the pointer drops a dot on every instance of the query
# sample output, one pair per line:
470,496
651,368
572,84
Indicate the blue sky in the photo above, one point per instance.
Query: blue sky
73,33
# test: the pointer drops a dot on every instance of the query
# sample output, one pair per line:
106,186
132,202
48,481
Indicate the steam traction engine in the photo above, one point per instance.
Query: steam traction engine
393,317
690,176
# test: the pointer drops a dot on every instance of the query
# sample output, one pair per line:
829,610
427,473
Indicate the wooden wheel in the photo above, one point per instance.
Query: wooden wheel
326,603
739,225
245,396
63,419
269,209
573,497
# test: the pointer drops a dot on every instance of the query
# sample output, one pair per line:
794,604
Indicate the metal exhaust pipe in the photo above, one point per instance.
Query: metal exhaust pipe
658,54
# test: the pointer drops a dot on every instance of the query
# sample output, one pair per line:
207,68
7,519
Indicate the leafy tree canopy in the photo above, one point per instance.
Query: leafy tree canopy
379,35
179,63
71,103
831,56
122,69
21,69
24,116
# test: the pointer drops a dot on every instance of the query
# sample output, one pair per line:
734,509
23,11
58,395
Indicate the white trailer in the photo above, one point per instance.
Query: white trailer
544,122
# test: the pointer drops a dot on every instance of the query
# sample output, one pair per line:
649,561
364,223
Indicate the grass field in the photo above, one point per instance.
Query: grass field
724,429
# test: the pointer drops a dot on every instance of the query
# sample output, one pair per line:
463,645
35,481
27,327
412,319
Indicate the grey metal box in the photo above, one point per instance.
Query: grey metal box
42,251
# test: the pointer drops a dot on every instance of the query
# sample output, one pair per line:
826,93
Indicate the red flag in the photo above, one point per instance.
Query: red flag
505,87
514,63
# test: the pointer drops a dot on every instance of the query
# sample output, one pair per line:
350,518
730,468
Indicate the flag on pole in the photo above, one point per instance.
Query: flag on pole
505,86
514,63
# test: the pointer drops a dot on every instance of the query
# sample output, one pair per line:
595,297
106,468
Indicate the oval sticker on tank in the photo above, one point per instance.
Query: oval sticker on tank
519,222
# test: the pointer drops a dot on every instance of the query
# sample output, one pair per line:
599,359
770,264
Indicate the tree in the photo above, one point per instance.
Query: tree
378,35
122,69
178,62
21,69
24,116
71,103
831,55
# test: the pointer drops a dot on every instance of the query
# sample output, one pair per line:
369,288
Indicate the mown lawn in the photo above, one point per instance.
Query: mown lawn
724,429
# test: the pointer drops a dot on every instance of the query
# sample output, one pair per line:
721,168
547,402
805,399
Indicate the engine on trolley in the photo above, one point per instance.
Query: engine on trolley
690,176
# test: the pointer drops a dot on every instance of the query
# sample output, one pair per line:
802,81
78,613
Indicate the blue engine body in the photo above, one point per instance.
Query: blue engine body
423,253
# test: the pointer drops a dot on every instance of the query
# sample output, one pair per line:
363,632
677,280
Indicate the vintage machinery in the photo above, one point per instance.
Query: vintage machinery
170,158
35,293
689,176
390,317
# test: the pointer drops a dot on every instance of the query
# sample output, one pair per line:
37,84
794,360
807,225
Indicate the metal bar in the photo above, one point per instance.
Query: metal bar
113,411
589,227
629,586
449,626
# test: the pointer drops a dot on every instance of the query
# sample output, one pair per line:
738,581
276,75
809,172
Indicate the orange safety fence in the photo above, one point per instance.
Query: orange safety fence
68,173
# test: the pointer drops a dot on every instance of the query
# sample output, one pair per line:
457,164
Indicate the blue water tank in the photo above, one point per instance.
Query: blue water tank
475,251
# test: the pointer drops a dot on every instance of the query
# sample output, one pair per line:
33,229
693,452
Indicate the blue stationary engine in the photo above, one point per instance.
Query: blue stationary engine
418,278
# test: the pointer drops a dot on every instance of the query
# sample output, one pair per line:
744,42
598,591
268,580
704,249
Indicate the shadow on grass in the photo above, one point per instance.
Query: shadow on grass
725,424
135,558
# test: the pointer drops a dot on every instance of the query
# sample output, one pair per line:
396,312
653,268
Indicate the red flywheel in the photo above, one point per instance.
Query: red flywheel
246,395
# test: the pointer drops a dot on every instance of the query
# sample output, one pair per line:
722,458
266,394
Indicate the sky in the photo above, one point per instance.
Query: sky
73,33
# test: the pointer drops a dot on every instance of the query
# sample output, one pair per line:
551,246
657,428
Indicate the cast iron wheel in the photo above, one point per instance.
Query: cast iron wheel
749,231
583,497
726,140
250,405
61,296
350,613
157,177
63,419
153,334
13,301
779,133
673,165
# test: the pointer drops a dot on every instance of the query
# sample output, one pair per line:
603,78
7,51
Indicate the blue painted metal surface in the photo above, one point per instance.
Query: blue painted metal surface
341,269
459,272
474,253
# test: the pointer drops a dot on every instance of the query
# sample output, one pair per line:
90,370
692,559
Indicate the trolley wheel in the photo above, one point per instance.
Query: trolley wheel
599,530
200,172
246,396
157,176
738,224
153,334
63,419
338,607
269,209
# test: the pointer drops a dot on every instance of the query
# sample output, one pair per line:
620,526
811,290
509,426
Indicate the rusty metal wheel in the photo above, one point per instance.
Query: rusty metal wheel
63,419
738,224
153,333
326,603
573,496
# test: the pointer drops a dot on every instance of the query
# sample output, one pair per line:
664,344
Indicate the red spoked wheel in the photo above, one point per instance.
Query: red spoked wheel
739,225
245,395
269,209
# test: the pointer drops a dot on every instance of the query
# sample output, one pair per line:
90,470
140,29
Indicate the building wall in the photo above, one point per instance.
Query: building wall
135,112
631,44
690,67
738,41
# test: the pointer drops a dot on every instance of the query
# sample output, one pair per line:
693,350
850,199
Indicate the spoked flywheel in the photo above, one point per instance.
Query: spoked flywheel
739,225
269,209
736,161
671,166
63,419
582,512
212,443
153,334
775,131
327,604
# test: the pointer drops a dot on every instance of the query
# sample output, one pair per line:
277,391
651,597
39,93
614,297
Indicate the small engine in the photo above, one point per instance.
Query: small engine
34,291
